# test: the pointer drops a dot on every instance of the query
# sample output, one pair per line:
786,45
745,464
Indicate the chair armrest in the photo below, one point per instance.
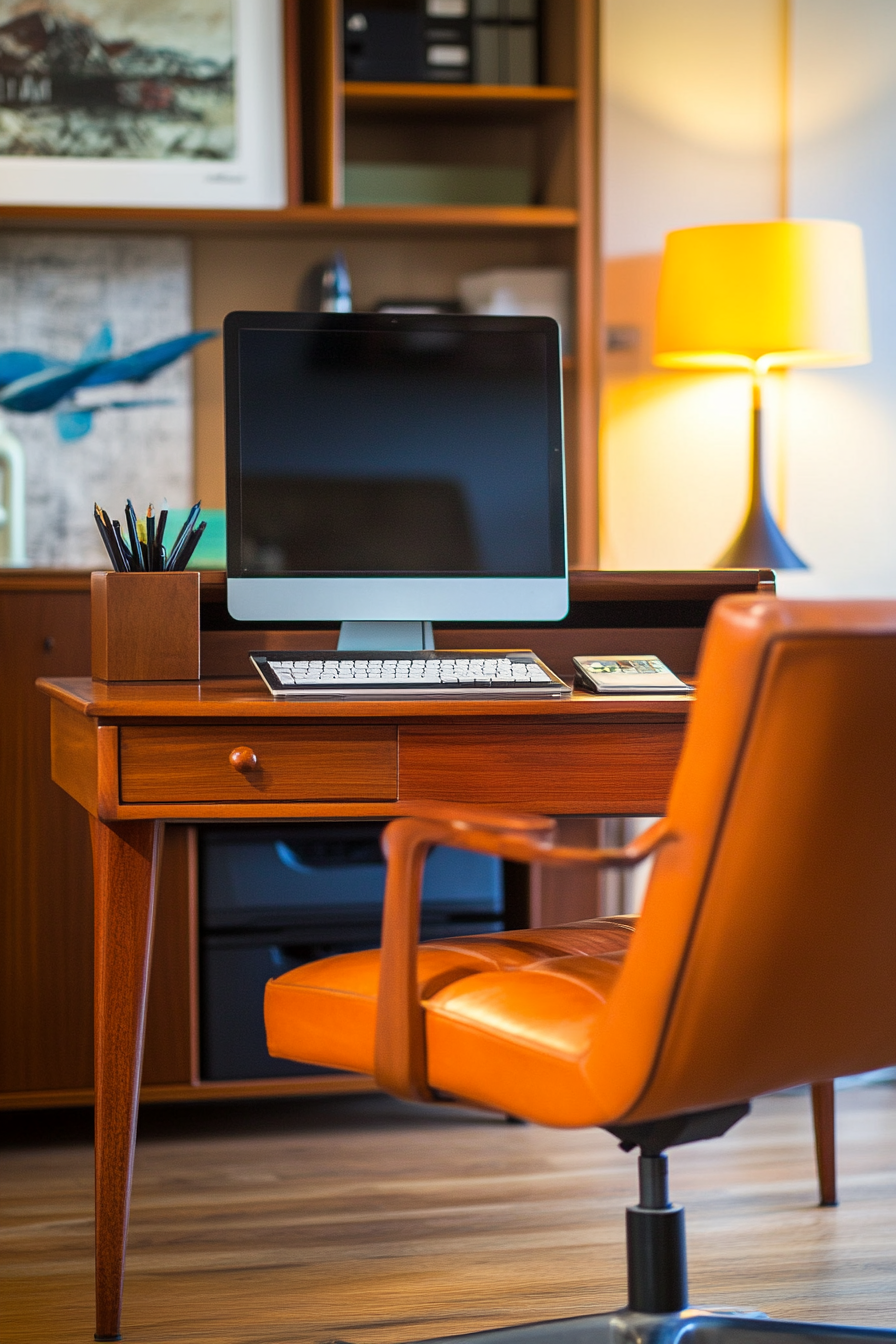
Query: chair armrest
400,1066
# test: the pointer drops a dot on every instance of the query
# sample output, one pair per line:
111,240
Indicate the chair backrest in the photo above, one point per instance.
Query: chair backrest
766,951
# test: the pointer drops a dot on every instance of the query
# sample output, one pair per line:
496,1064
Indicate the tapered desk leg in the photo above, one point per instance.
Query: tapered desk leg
825,1147
125,867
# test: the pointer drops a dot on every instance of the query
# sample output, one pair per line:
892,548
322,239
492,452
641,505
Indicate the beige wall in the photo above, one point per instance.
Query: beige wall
841,424
735,110
693,112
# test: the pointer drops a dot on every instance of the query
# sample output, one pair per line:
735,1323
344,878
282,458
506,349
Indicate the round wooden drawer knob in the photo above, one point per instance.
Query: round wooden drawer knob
243,759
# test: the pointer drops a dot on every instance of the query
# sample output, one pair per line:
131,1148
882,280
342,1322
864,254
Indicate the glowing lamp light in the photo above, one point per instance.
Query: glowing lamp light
773,295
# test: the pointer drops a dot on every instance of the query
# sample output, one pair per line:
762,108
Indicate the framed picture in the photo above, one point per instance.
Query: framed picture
171,103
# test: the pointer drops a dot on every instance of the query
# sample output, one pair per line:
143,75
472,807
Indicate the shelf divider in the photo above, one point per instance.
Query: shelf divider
366,94
294,218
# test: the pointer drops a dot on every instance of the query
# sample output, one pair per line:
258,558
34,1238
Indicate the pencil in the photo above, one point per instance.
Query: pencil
128,560
150,539
160,532
189,547
131,519
105,536
182,535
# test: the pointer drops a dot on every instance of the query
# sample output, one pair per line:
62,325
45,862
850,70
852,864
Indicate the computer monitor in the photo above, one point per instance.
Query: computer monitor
386,467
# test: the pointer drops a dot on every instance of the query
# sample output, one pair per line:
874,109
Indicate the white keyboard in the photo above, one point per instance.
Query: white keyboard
438,675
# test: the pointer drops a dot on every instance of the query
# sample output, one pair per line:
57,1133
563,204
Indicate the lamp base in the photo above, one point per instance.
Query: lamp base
760,544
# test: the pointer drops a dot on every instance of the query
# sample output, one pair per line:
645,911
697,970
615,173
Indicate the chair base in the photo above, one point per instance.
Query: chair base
694,1325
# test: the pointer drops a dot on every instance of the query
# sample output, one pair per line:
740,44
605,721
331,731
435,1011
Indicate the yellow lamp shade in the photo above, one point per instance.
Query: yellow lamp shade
763,296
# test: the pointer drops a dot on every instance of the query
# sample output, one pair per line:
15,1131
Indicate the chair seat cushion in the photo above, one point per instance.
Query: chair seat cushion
508,1015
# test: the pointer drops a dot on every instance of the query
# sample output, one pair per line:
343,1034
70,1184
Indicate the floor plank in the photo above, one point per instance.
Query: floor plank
360,1219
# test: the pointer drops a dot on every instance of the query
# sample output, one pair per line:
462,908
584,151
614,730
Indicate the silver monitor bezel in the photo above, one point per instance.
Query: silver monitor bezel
325,598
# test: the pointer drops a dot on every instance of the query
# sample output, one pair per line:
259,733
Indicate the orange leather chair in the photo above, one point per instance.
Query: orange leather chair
763,957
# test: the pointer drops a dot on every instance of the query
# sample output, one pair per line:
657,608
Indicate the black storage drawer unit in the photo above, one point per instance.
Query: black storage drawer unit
408,40
273,897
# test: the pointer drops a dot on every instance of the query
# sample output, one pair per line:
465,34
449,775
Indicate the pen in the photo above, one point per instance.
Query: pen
118,546
160,532
128,562
150,540
189,547
106,526
136,551
183,534
106,541
186,528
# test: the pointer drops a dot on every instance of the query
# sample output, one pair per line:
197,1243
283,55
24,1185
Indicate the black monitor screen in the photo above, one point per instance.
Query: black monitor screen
366,445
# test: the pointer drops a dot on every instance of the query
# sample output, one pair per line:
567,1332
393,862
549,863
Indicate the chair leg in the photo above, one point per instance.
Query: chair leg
825,1151
657,1271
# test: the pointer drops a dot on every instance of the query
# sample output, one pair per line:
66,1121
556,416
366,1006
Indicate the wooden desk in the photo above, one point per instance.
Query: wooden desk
136,755
46,880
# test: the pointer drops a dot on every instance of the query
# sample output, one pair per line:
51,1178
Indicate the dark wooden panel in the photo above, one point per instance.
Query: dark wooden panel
46,878
638,585
294,763
679,648
46,885
225,653
601,768
662,612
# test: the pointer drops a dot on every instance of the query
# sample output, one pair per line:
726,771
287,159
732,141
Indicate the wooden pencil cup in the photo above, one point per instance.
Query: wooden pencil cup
145,627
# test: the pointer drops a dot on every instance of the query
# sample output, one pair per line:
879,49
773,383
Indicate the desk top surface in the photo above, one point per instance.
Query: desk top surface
246,698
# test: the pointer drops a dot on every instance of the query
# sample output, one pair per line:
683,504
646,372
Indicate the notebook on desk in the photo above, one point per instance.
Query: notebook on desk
628,674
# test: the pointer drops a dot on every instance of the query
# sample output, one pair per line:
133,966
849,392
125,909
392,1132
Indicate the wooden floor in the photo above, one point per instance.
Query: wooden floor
359,1219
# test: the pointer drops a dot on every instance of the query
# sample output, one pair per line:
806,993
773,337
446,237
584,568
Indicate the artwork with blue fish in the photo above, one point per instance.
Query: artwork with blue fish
31,381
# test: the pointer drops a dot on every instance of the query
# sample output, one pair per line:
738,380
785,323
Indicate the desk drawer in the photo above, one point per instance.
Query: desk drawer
590,768
292,764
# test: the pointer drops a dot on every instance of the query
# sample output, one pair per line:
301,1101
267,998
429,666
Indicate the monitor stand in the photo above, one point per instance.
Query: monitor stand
385,636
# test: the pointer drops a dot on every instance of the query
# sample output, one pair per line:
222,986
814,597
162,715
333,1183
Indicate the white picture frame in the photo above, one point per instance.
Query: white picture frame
254,178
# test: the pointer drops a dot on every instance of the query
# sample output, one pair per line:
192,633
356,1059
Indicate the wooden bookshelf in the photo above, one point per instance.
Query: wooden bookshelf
256,258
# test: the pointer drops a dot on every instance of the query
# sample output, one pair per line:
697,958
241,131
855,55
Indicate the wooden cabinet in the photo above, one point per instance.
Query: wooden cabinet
46,889
46,880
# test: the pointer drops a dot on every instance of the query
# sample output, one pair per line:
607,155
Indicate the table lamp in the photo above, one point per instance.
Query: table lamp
776,295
